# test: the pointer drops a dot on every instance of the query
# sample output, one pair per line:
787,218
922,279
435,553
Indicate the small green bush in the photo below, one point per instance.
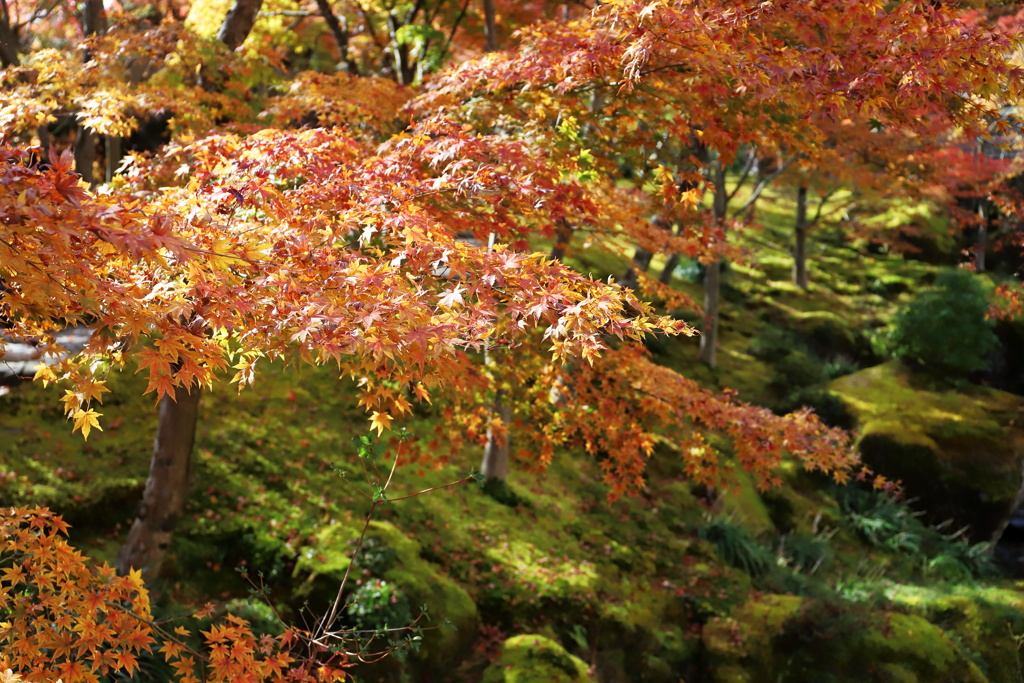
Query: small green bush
736,547
378,604
945,328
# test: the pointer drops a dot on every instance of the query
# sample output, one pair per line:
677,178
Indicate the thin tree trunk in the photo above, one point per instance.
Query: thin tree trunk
399,53
712,294
112,155
669,270
800,243
495,463
239,22
979,249
563,236
641,262
713,275
490,27
85,154
340,34
163,501
93,23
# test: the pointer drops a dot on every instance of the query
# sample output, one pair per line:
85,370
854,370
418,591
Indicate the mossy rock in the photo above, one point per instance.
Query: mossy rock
985,620
959,452
532,658
321,569
743,503
746,636
776,638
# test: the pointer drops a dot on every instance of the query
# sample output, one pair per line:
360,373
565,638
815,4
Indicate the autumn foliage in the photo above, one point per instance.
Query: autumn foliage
390,231
64,618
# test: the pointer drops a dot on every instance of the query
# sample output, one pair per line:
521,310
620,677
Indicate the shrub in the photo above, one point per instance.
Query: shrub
736,547
945,329
378,604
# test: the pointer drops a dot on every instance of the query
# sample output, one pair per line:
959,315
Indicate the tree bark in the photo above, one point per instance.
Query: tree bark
490,27
85,154
8,38
112,155
563,236
239,22
641,262
94,21
800,242
669,270
163,501
495,463
979,249
340,34
713,275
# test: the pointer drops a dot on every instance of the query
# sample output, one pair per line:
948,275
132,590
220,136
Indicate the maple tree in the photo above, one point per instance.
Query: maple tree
394,240
730,75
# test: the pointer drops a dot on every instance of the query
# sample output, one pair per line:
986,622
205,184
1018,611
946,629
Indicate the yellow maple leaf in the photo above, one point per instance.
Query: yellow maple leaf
86,420
421,392
380,422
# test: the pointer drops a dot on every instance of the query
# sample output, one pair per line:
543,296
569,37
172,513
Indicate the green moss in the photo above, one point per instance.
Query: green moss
784,638
747,634
986,621
533,658
960,452
451,609
743,503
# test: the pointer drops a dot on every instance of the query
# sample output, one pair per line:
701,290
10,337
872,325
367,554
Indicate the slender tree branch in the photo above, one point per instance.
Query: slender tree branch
751,159
760,188
455,26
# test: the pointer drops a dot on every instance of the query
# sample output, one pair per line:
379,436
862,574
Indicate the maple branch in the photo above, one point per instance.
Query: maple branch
751,159
821,205
369,24
455,27
332,616
760,187
434,488
287,13
340,33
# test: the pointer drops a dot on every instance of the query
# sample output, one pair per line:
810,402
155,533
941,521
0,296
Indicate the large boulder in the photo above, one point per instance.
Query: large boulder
532,658
787,638
959,452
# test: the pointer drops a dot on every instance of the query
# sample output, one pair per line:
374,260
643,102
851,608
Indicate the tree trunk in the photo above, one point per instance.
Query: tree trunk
112,155
94,21
712,293
85,154
239,22
563,236
800,243
8,38
496,453
641,262
340,33
669,270
979,249
167,487
713,275
490,27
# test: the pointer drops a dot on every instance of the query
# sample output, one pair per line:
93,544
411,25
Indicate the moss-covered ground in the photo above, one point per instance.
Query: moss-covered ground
808,582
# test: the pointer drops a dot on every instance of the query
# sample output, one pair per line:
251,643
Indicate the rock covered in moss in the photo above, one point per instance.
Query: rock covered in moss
785,638
396,559
960,452
532,658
